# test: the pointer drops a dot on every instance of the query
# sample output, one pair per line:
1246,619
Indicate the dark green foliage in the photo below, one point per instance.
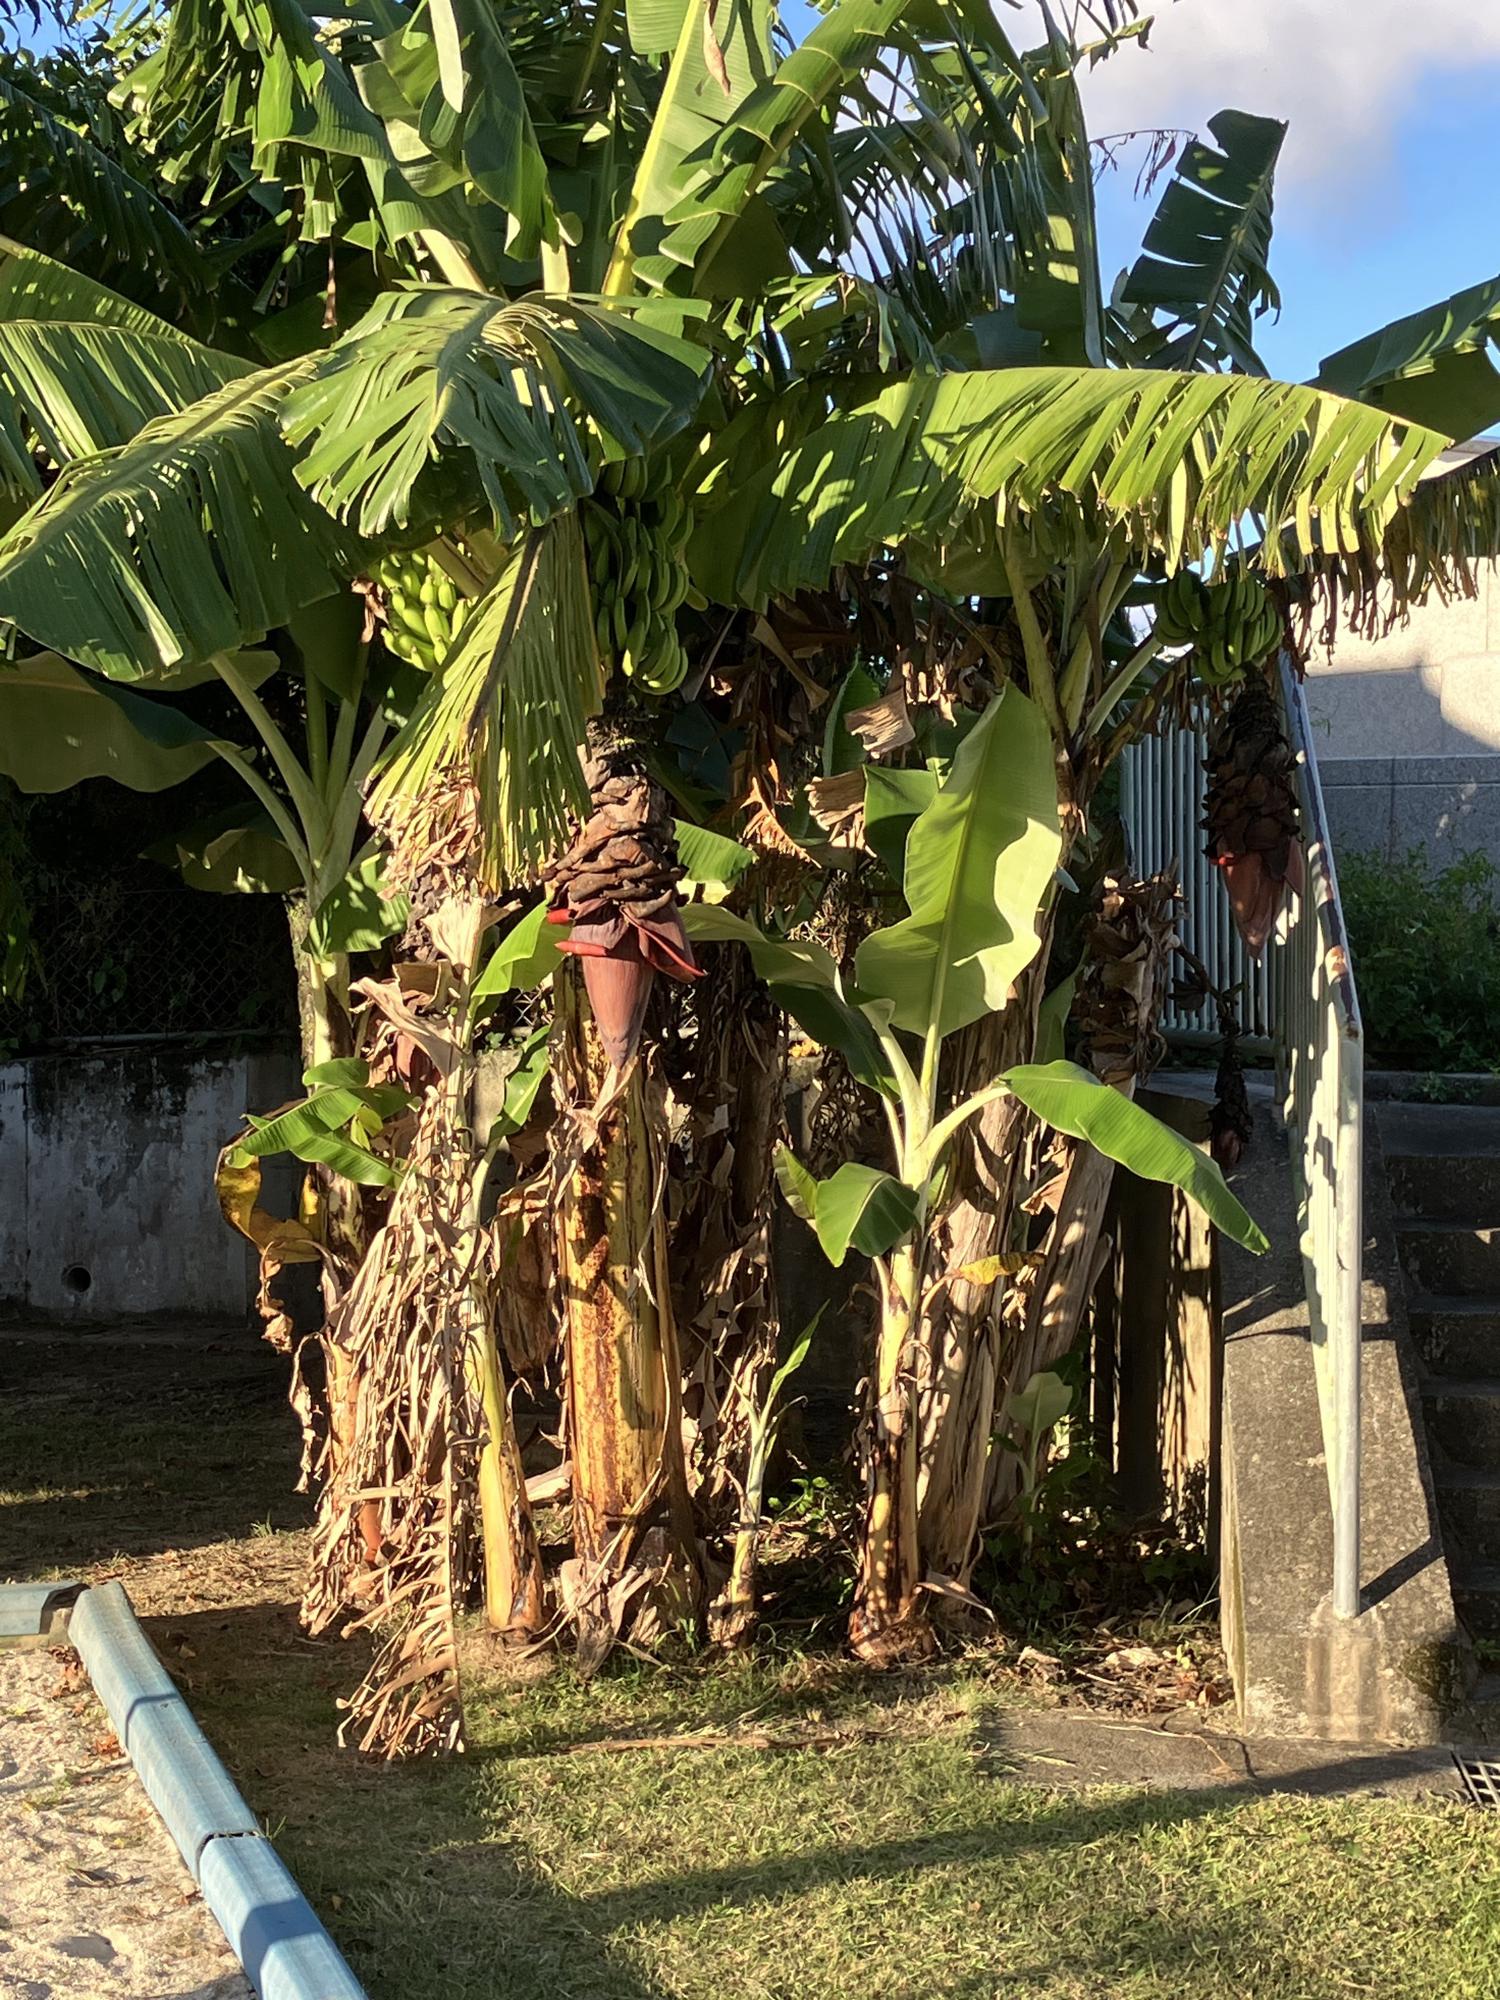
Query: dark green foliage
1426,959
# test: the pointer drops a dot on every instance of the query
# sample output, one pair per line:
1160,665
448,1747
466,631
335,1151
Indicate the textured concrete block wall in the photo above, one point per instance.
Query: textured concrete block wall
106,1181
1428,688
1407,728
1449,806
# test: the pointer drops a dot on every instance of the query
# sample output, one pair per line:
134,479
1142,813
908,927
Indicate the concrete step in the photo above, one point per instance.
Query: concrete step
1450,1258
1456,1336
1449,1187
1439,1131
1463,1421
1476,1592
1469,1508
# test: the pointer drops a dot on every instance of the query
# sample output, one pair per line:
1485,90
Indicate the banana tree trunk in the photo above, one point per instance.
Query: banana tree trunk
960,1359
888,1621
1059,1294
338,1218
636,1564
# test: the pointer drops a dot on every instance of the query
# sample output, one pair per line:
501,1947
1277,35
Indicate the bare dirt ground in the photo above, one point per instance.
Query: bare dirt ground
113,1442
94,1898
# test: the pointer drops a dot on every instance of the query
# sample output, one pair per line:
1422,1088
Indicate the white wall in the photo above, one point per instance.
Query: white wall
107,1202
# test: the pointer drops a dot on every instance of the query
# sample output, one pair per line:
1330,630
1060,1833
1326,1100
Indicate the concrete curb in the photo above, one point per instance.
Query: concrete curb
270,1925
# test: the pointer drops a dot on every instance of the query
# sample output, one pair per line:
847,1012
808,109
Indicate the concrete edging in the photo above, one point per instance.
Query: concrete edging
270,1925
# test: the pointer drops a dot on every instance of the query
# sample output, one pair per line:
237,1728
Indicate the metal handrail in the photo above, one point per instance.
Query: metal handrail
1301,999
1320,1064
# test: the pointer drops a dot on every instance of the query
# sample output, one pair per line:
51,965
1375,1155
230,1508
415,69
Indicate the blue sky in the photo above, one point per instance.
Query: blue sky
1390,181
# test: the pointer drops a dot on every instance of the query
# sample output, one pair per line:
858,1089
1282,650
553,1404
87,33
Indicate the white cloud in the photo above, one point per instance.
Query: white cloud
1341,71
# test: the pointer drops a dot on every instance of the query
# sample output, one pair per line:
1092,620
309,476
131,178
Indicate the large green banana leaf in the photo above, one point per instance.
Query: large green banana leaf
82,368
37,287
1178,463
1072,1100
60,725
1204,258
691,196
75,388
720,51
527,395
979,861
1433,366
186,542
62,193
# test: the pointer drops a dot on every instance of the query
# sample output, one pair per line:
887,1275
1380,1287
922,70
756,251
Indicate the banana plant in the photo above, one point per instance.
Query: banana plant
979,870
841,301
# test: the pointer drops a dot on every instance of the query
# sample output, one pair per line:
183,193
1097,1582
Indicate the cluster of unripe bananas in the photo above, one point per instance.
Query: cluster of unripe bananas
1230,626
637,566
425,609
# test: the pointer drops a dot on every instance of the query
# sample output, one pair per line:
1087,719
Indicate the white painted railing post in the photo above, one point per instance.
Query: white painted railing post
1301,998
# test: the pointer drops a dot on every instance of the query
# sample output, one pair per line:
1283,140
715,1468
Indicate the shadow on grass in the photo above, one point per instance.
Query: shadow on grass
541,1874
133,1447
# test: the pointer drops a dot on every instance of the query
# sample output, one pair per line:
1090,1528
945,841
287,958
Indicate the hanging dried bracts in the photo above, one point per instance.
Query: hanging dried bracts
1251,815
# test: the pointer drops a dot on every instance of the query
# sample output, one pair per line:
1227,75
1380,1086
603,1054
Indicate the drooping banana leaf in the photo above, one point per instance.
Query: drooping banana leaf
1178,462
1435,366
508,710
190,540
60,725
1074,1101
82,370
1204,262
518,392
38,287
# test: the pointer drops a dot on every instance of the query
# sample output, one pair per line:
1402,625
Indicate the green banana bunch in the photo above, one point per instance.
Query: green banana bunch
636,549
424,610
1231,625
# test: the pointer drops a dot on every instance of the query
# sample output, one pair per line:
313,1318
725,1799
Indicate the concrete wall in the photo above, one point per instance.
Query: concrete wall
1408,731
1390,805
106,1181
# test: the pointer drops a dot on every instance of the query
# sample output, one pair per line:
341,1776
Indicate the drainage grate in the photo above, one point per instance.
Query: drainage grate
1481,1776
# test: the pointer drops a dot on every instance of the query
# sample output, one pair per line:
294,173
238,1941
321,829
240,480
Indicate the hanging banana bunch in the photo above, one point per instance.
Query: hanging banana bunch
1231,626
638,570
425,609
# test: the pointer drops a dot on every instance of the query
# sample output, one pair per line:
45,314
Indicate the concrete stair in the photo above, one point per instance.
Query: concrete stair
1443,1168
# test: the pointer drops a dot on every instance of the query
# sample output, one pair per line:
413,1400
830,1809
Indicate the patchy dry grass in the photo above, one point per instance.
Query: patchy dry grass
889,1858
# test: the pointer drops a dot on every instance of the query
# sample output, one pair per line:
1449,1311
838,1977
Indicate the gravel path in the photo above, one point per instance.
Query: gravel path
94,1899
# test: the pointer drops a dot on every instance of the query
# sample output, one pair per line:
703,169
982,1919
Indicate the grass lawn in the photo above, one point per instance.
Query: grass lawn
890,1858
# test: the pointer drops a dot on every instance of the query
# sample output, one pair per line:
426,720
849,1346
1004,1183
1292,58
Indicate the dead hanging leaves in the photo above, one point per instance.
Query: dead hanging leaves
280,1240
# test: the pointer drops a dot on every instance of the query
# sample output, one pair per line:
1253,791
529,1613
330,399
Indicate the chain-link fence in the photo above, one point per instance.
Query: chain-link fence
114,959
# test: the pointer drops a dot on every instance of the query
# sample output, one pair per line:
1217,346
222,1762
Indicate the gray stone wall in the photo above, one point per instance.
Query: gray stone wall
1448,806
107,1203
1407,729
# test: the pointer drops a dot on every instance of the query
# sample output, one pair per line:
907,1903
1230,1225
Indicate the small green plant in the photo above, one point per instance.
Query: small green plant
1426,950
